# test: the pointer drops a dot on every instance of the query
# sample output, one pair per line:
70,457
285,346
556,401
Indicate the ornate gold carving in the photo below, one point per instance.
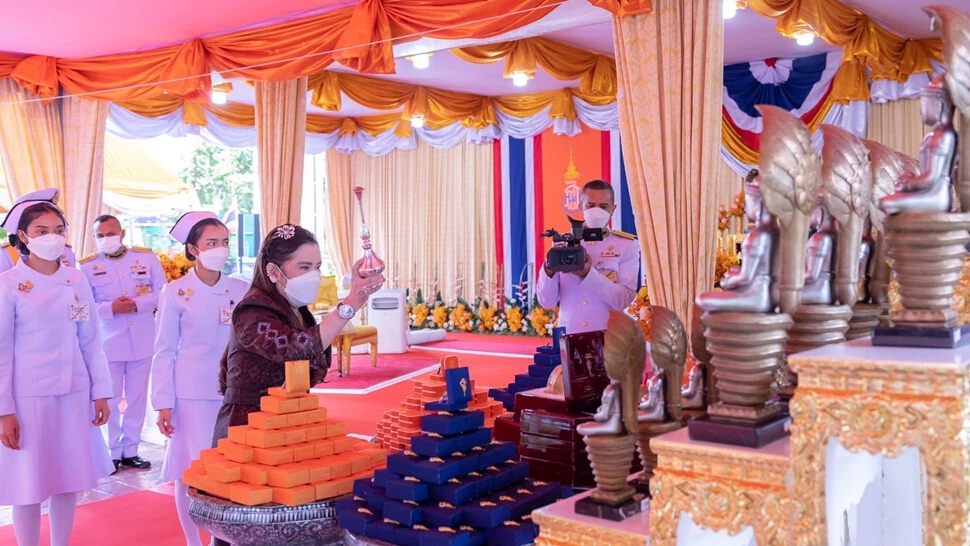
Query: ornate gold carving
883,407
557,531
722,489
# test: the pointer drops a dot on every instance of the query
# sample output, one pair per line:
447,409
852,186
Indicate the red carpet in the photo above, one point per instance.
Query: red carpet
144,517
516,345
389,367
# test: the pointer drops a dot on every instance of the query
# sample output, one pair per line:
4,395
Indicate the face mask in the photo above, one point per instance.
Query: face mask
108,245
596,217
214,259
302,290
47,247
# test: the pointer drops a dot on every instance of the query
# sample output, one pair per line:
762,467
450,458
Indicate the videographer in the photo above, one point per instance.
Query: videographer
608,278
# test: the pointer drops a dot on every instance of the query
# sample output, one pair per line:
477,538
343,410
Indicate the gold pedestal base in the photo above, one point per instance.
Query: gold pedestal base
611,458
744,413
645,433
927,251
746,349
865,318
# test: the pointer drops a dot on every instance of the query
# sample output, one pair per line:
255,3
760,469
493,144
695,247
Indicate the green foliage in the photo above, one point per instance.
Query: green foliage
223,177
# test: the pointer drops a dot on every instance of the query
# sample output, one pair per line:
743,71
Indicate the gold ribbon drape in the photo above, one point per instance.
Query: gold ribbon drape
673,120
440,107
596,72
280,137
359,36
865,43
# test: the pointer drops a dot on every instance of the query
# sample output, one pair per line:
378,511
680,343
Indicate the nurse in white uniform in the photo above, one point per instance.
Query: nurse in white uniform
194,322
54,380
9,255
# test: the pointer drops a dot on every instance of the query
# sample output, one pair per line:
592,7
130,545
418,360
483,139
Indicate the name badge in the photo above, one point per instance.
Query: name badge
225,316
80,312
143,289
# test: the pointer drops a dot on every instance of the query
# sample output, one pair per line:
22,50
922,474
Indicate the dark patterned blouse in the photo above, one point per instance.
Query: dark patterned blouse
262,340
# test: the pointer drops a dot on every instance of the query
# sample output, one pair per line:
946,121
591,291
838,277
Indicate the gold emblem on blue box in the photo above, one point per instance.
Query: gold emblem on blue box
458,392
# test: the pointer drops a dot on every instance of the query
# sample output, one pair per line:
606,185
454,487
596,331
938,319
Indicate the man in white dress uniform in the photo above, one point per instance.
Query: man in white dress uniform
609,279
126,282
8,253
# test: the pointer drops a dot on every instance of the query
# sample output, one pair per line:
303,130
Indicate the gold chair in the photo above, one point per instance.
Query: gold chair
351,336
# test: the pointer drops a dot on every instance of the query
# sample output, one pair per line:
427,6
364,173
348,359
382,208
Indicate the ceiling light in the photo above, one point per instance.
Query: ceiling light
730,9
219,97
805,38
421,61
520,79
417,122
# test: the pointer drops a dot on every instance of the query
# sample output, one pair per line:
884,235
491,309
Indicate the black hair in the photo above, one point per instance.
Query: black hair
106,218
30,214
276,249
600,185
752,174
196,233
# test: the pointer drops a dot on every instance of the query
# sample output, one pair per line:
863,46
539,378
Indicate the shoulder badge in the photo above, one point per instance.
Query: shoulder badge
67,245
87,258
141,249
624,235
5,244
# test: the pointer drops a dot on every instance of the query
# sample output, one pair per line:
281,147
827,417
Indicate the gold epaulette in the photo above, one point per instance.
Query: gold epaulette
142,249
67,245
87,258
5,244
624,235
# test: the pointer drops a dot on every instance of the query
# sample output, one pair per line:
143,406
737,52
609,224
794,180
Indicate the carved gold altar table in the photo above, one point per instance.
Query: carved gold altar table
883,400
722,488
560,525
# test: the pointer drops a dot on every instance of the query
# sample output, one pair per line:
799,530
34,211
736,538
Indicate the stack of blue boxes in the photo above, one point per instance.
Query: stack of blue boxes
456,488
544,361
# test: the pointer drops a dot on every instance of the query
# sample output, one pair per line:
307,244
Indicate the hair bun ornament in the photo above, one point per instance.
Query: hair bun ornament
285,232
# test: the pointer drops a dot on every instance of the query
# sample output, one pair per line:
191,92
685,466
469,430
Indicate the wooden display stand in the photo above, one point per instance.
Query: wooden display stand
883,400
722,487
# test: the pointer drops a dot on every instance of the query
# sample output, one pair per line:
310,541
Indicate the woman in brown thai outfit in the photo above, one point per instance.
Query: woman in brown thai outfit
272,325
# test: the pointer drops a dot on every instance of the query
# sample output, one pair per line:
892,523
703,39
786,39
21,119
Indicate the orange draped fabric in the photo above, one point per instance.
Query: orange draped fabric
624,8
596,72
360,37
887,55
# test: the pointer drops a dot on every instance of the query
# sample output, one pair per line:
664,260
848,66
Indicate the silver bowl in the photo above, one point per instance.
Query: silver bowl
313,524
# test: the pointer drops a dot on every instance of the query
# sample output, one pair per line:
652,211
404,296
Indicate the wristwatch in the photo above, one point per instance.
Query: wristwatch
345,311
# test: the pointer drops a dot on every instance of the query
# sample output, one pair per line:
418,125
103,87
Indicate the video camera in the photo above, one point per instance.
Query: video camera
571,256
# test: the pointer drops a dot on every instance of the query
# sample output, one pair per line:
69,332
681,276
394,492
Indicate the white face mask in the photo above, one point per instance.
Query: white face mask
108,245
596,217
47,247
302,290
214,259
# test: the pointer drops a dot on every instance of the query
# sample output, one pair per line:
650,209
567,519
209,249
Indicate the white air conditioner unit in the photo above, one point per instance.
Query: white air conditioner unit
386,311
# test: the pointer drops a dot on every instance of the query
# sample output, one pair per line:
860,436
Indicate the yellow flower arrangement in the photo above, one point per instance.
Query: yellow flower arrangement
640,309
487,315
440,316
723,221
725,261
419,315
514,316
737,205
461,318
176,266
540,319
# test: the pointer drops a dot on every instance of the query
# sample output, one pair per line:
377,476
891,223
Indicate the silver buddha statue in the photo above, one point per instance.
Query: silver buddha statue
867,262
747,289
930,189
608,419
692,396
652,408
818,259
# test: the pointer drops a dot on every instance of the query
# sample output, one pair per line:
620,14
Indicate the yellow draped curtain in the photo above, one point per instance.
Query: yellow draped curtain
897,124
440,107
596,72
865,43
360,36
83,128
31,141
429,212
280,138
673,121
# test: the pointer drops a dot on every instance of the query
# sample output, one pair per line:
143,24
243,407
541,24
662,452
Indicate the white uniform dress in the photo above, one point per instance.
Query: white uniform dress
128,339
194,323
51,369
610,285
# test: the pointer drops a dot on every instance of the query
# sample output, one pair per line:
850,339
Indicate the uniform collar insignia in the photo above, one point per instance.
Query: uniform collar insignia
26,287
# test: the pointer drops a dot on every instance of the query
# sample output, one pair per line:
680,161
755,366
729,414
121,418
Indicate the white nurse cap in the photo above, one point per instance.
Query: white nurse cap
46,194
180,231
12,220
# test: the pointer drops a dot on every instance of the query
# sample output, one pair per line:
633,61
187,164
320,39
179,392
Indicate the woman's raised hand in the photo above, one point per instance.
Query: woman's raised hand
362,287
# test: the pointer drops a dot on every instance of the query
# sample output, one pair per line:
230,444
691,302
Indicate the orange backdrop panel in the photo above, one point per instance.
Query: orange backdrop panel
586,150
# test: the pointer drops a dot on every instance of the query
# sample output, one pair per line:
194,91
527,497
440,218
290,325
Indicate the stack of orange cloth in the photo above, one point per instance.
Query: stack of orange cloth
399,425
288,454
